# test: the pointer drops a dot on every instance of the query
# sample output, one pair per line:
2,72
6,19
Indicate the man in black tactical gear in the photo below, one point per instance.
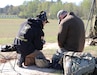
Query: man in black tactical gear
30,37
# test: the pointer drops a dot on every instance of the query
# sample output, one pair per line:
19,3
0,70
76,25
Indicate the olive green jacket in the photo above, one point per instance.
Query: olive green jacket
71,35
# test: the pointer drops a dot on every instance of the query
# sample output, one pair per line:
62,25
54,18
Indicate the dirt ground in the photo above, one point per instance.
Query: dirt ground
10,67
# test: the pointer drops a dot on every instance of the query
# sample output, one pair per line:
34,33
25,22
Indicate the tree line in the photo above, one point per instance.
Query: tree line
32,8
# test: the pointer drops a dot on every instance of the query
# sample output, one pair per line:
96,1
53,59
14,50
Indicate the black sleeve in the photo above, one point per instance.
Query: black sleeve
38,43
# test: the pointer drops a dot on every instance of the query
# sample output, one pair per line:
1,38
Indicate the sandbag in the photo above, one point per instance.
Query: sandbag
78,63
42,62
34,58
30,59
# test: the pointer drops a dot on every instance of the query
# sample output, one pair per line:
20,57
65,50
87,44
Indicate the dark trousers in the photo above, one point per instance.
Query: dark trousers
20,58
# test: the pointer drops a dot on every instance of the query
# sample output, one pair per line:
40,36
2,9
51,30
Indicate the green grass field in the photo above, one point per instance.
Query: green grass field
10,27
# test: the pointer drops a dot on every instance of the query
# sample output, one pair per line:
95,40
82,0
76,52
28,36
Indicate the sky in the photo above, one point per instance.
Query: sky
3,3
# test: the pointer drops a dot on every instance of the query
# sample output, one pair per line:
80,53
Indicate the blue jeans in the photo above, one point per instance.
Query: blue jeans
56,58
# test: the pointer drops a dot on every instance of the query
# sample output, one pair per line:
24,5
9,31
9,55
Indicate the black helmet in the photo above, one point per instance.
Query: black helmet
43,16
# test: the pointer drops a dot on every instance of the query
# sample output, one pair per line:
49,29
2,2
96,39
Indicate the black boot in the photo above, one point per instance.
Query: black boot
20,60
19,64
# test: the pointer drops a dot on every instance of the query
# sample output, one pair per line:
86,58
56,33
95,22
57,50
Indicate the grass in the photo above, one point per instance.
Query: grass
92,50
51,30
10,27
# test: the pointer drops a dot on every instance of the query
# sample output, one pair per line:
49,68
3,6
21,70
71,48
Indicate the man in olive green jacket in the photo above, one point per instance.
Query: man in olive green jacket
71,35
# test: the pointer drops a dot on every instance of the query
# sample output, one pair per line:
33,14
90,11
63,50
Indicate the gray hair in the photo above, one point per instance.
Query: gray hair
61,12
